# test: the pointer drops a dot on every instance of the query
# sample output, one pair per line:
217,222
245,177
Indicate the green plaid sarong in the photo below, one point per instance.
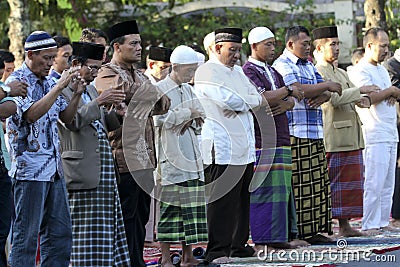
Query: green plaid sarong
183,213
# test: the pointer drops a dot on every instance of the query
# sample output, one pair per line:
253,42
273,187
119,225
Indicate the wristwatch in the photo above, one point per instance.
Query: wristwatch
6,89
289,88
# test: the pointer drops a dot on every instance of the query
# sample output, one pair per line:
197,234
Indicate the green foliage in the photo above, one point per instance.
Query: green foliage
191,28
392,10
4,13
68,17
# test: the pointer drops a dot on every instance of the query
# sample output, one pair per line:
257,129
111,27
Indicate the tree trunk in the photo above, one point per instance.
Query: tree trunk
375,14
19,28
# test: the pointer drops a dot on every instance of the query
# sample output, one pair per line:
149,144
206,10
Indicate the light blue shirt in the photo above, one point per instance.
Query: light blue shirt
34,147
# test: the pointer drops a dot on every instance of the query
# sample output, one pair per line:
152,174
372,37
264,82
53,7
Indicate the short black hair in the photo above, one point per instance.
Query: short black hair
7,56
294,31
371,34
119,40
2,65
61,41
90,34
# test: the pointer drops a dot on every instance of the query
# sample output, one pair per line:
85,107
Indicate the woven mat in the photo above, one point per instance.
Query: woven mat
351,249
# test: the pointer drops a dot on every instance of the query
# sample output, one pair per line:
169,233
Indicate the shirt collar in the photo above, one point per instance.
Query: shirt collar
216,61
30,76
323,63
257,62
54,73
292,57
128,67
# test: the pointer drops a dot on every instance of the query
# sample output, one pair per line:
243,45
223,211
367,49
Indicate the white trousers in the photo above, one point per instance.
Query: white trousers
380,165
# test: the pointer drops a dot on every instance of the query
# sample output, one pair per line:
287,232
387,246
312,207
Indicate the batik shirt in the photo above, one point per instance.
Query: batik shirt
54,75
304,121
34,147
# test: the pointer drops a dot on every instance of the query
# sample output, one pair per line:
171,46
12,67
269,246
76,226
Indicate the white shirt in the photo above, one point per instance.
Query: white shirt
226,140
380,120
179,155
151,78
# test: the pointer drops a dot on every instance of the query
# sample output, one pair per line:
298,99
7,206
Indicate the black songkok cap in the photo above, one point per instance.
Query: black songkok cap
88,50
325,32
160,53
228,35
122,29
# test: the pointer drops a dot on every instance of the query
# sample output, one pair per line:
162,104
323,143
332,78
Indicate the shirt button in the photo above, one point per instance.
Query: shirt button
97,150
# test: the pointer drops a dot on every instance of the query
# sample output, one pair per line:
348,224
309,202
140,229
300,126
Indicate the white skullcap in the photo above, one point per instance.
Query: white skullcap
200,58
183,55
259,34
209,40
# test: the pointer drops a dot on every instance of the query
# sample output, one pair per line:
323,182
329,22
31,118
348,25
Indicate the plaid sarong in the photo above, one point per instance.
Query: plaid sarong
347,183
183,213
272,213
311,187
98,233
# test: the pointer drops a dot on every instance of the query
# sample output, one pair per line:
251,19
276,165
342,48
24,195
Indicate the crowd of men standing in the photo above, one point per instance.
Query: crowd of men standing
268,151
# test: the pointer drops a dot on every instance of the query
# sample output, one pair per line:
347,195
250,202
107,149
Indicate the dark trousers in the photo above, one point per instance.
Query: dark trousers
135,203
5,217
228,210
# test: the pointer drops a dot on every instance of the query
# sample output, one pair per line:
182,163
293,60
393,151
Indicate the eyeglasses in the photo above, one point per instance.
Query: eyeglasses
93,68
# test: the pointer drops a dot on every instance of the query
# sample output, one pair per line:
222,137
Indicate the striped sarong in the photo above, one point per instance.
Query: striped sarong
183,213
98,233
272,212
311,187
347,183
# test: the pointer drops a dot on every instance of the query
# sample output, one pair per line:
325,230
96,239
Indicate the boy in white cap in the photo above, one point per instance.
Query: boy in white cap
272,211
39,186
182,208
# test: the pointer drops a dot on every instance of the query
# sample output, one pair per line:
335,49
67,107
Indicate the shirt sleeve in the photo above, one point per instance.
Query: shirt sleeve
286,71
7,99
252,75
361,77
62,102
224,97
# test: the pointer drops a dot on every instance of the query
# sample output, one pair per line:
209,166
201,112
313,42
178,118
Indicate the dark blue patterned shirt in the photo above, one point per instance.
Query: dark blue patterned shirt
34,147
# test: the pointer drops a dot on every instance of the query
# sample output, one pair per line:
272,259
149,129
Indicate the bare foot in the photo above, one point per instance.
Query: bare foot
390,229
260,247
167,264
190,262
395,223
297,243
319,239
372,232
282,245
350,232
222,260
